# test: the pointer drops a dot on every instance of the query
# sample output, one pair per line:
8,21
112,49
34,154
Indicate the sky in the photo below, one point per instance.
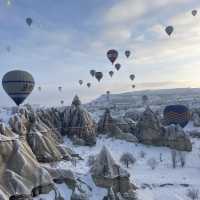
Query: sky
69,38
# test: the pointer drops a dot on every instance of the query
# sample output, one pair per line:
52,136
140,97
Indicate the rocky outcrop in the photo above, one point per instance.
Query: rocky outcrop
38,128
79,124
176,138
196,119
120,128
79,195
150,131
20,172
107,173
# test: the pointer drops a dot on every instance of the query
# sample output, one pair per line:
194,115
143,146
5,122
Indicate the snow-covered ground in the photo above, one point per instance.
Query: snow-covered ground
176,180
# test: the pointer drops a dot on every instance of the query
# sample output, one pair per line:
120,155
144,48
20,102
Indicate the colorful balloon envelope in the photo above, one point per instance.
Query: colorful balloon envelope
194,13
99,76
18,85
111,73
88,85
133,86
29,21
127,53
132,77
176,114
112,55
169,30
40,88
60,88
117,66
80,82
92,72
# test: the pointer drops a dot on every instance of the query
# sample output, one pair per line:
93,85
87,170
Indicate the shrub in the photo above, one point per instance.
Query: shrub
193,194
142,154
152,163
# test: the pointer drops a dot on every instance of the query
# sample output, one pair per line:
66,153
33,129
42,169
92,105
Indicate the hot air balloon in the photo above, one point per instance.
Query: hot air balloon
80,82
8,2
98,76
8,48
40,88
169,30
176,114
112,55
18,85
88,85
60,88
132,77
127,53
92,72
29,21
111,73
117,66
133,86
194,13
62,102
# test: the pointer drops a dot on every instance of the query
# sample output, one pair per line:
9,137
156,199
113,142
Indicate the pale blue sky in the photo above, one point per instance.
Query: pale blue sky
68,38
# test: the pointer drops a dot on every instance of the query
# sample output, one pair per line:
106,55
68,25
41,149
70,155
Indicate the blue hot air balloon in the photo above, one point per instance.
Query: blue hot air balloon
176,114
18,85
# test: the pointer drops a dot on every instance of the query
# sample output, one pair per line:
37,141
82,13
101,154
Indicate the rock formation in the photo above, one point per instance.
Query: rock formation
150,131
79,124
107,173
120,128
196,119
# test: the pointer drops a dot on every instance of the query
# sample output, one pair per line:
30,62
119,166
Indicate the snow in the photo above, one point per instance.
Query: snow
141,173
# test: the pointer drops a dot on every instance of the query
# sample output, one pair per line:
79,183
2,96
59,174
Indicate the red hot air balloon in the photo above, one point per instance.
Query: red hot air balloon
112,55
127,53
117,66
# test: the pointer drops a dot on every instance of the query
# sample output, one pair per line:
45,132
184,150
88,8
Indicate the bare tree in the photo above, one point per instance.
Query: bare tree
174,158
161,157
193,194
152,163
127,159
182,158
91,160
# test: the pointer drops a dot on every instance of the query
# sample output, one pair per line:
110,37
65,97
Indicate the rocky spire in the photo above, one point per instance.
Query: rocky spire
76,101
79,124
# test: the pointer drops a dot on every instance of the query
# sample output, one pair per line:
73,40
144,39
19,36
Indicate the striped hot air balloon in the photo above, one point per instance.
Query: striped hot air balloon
176,114
18,85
